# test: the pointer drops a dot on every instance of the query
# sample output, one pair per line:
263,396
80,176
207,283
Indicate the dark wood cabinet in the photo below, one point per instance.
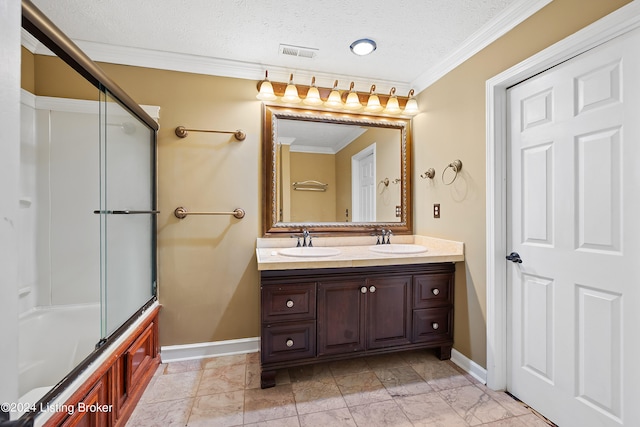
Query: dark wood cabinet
314,315
341,316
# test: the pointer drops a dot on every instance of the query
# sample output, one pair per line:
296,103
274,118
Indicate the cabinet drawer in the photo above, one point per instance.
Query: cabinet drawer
432,324
432,290
288,302
287,341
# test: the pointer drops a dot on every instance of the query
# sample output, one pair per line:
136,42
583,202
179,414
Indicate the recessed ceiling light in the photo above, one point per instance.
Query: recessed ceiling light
363,47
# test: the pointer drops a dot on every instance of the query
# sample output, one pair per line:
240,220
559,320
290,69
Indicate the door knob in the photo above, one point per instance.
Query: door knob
363,289
514,257
372,289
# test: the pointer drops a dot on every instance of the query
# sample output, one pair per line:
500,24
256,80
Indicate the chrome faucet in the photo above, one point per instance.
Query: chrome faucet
389,233
306,238
384,238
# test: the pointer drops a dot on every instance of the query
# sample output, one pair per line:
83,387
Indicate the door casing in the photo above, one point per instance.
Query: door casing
616,23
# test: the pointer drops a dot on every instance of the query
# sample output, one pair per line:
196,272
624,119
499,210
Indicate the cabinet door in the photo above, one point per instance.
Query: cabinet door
93,410
341,316
388,311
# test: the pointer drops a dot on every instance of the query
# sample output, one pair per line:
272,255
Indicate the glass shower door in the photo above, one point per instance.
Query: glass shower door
128,277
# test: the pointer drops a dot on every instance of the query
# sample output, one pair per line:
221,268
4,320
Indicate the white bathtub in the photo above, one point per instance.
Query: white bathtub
52,341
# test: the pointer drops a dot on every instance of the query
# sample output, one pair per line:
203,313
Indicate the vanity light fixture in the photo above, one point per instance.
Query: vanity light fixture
352,102
411,107
373,103
291,92
266,89
393,107
334,100
363,47
313,95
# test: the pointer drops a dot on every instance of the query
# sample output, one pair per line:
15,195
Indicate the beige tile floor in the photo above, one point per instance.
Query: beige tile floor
404,389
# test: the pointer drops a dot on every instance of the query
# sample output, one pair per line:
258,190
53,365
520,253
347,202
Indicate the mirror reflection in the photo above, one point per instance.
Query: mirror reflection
339,171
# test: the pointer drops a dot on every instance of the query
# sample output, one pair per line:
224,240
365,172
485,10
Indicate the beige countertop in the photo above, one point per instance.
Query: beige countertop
355,252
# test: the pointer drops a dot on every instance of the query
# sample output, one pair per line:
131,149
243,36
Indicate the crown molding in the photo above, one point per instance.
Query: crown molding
188,63
496,28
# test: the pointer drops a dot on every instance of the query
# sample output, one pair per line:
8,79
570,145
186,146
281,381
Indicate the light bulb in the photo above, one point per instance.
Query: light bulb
353,102
411,107
373,103
266,89
291,93
392,104
334,100
313,95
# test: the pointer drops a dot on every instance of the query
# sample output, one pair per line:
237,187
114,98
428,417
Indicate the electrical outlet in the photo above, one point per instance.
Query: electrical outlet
398,211
436,210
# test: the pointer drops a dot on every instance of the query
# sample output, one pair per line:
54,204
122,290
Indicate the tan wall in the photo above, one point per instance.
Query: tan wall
453,127
27,71
313,206
208,277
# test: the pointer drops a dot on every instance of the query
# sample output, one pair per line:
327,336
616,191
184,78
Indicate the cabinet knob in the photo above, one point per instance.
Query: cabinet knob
289,342
289,303
435,325
372,289
435,291
363,289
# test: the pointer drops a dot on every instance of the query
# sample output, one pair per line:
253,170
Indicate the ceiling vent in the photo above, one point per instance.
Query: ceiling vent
302,52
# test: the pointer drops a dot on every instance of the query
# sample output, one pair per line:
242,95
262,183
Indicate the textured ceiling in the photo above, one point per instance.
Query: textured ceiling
412,35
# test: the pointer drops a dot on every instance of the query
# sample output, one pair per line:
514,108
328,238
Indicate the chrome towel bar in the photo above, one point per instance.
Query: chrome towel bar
182,213
127,212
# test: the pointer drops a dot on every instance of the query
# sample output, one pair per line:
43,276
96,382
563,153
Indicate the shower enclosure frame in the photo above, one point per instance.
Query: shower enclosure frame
36,23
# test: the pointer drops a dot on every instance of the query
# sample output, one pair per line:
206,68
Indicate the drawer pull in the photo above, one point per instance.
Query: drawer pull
363,289
289,342
372,289
435,325
435,291
289,303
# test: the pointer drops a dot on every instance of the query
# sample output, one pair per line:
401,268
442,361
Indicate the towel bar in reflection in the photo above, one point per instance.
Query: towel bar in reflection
182,213
310,186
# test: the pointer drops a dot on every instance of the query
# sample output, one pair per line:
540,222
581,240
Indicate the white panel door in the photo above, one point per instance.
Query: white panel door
573,211
363,167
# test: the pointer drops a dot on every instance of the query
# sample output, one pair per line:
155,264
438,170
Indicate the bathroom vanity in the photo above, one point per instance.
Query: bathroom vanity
358,302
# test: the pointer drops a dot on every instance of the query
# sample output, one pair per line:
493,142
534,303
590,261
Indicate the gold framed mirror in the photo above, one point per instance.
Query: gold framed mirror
335,172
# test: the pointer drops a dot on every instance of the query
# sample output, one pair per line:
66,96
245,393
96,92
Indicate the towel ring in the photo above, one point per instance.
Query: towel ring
456,165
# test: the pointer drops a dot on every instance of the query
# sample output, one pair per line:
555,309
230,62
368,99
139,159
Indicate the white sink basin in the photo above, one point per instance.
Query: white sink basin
398,248
309,252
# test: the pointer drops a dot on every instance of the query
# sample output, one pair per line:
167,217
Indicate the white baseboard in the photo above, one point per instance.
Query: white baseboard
469,366
176,353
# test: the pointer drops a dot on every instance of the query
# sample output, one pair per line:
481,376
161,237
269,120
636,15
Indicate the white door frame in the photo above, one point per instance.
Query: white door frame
619,22
355,180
